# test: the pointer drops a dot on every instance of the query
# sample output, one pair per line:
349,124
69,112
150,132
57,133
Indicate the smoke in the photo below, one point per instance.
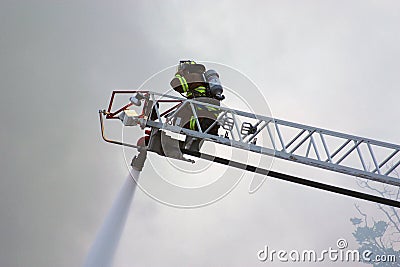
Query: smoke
103,249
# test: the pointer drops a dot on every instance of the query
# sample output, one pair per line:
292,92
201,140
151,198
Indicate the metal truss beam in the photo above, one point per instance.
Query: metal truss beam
339,152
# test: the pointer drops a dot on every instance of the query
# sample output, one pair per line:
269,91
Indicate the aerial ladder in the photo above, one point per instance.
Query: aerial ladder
334,151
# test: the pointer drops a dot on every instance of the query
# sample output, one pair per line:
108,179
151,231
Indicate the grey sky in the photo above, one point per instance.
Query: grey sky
331,64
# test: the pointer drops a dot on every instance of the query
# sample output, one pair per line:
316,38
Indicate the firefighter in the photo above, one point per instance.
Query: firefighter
189,80
194,82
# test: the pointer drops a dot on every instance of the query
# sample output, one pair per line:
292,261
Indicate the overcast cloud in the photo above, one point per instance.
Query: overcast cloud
331,64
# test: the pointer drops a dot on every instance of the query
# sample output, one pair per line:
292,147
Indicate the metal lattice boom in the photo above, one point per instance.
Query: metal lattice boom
334,151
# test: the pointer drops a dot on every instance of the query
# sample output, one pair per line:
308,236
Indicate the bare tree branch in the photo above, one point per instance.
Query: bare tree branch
380,238
363,214
389,217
